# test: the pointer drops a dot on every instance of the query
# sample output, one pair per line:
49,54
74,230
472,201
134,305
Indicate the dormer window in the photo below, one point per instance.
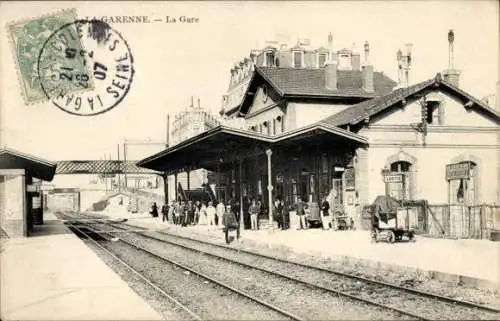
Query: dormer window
322,59
344,61
270,57
298,58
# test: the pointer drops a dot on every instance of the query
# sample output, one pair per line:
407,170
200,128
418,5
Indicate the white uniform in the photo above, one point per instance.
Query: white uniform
221,209
210,215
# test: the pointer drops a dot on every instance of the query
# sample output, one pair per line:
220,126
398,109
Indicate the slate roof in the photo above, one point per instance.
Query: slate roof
357,113
311,82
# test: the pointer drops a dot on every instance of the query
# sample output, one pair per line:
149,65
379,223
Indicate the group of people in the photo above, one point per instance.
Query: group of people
196,213
222,215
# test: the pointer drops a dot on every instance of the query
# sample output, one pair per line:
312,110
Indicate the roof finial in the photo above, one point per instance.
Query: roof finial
451,39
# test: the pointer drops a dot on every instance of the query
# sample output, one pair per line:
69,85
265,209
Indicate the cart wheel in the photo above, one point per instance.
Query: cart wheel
411,236
391,238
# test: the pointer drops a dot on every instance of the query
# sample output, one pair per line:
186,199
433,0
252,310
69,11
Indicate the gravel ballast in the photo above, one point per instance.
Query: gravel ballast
299,299
400,276
392,297
168,309
206,299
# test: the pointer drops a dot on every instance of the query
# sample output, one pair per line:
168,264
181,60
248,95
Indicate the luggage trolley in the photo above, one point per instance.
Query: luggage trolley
387,225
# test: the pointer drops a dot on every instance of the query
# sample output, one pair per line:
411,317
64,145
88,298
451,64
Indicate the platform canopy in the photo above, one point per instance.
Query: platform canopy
318,134
34,166
219,147
212,150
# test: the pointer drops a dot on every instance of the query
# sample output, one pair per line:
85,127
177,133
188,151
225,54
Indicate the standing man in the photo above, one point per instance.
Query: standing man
220,209
301,213
210,215
181,214
190,213
325,214
229,223
254,215
164,213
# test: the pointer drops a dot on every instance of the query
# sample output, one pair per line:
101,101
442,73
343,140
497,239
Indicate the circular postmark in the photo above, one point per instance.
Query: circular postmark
85,67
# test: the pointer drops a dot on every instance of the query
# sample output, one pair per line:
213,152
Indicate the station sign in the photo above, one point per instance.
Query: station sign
32,188
46,187
393,178
457,171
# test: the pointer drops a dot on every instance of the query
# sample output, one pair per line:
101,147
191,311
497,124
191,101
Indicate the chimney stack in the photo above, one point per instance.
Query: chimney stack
355,58
331,75
367,53
451,74
404,65
331,53
367,71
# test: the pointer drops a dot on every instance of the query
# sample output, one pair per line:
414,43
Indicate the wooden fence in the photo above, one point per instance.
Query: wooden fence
447,220
462,221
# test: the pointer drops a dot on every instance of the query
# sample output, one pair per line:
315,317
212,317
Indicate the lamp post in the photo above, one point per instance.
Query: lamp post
269,153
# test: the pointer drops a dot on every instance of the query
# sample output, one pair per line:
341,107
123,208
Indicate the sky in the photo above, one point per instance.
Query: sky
175,61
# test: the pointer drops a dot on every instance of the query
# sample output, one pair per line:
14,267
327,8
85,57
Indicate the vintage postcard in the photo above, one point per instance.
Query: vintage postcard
249,160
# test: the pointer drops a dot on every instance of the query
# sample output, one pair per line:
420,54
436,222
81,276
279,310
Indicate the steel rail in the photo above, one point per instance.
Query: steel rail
208,278
311,285
357,277
128,266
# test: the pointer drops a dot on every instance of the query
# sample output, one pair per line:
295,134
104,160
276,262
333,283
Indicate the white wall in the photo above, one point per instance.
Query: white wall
431,183
12,197
455,114
463,133
306,113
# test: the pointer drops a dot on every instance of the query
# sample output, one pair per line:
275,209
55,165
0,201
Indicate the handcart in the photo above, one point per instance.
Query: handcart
387,225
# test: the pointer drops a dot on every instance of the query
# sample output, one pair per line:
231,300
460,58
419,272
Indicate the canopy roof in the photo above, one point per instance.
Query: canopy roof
34,166
219,147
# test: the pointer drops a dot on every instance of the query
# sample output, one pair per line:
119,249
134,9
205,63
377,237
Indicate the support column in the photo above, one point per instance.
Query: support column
165,187
176,187
269,152
188,180
240,176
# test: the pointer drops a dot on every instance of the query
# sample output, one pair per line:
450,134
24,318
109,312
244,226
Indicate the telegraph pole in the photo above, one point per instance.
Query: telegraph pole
121,167
165,176
125,162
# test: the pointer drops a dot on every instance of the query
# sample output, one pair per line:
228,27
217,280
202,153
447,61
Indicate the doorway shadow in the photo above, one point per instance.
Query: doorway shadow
50,227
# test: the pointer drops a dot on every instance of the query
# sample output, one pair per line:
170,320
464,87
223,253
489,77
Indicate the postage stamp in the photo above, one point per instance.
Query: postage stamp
27,38
85,67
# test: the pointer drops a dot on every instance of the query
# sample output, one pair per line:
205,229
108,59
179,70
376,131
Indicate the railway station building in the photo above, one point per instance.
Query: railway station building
344,131
20,195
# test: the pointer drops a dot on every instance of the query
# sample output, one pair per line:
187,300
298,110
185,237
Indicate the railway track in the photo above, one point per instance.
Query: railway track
188,313
410,302
99,236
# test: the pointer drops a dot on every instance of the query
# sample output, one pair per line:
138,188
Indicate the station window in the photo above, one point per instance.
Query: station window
434,113
398,180
462,182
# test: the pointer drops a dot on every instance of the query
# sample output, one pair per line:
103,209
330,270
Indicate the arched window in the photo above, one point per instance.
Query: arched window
398,180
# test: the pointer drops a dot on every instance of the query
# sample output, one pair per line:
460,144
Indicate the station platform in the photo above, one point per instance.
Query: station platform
53,275
469,262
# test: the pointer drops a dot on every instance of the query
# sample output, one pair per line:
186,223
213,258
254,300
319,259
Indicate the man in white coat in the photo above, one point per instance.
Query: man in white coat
221,209
210,215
